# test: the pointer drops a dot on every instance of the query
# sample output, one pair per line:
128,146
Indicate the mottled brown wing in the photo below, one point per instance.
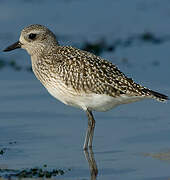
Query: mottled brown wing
86,72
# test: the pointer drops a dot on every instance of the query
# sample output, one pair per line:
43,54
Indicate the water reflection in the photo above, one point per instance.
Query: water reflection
92,163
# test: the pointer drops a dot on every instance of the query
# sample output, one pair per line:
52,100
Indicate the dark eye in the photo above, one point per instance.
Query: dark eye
32,36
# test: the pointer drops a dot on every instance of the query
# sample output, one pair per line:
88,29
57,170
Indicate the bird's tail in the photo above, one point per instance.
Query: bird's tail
156,95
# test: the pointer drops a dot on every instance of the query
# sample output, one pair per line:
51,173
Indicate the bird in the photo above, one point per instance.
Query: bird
79,78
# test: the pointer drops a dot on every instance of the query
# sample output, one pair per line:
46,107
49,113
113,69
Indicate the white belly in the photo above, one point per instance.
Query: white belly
95,102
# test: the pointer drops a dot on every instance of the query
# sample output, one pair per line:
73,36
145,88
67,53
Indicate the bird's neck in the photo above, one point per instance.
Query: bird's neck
40,49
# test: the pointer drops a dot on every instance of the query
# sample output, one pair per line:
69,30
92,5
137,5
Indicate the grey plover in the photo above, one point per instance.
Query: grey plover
79,78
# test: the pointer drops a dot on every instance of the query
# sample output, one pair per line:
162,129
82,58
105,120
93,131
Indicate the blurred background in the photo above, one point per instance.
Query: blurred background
130,141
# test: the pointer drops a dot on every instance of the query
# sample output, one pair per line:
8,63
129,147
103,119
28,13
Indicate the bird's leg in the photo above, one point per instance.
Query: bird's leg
90,130
92,163
86,142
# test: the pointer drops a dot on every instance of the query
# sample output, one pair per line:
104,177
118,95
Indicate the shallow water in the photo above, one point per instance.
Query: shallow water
131,141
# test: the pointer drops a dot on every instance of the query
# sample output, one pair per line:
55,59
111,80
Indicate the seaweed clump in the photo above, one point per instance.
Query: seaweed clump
31,173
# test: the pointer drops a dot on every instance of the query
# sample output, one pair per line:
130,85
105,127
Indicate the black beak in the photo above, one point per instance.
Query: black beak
13,46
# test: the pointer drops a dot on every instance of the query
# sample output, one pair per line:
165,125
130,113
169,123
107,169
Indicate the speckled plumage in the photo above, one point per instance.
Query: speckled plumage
77,77
86,73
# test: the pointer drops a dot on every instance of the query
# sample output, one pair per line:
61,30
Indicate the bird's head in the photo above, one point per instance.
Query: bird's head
34,39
